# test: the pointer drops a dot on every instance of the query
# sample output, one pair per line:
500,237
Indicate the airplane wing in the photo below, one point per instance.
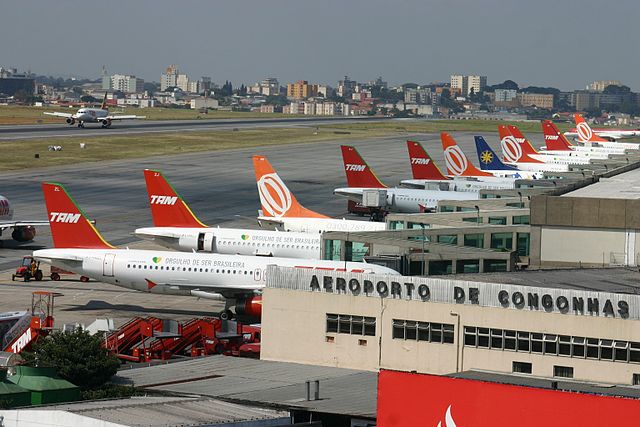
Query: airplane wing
10,224
57,114
68,258
228,291
124,117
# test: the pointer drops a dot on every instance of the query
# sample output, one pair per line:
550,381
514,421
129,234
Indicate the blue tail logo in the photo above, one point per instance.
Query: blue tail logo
488,158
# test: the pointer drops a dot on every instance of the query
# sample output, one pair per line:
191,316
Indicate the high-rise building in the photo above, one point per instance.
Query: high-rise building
466,84
301,90
125,83
346,87
600,85
182,82
169,78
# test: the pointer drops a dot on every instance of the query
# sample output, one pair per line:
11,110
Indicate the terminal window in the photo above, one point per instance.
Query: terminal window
423,331
552,345
522,367
349,324
563,371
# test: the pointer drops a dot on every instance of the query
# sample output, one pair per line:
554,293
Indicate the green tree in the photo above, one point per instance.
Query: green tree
88,98
77,356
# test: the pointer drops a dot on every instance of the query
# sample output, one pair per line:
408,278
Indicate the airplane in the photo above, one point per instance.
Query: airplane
236,279
557,143
23,231
427,174
361,178
280,208
459,165
93,115
587,136
518,151
176,227
490,161
582,132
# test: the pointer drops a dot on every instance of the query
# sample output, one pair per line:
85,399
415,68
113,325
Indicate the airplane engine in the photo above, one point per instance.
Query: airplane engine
251,306
70,121
23,234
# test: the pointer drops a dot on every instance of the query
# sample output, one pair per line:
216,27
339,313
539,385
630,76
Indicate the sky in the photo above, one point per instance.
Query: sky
565,44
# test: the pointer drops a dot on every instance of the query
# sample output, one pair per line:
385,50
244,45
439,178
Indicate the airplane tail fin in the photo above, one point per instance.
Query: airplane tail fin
488,159
457,162
167,207
275,197
70,228
527,147
584,131
514,149
358,172
553,138
422,165
104,101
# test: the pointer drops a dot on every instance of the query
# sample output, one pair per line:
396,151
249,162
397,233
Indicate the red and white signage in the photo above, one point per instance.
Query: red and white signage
406,399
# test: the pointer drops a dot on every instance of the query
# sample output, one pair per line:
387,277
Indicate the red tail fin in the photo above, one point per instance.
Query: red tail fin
275,198
358,172
167,207
526,145
422,165
457,162
585,133
553,138
69,226
513,150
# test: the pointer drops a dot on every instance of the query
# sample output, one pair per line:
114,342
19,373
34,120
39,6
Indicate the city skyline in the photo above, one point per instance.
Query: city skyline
541,44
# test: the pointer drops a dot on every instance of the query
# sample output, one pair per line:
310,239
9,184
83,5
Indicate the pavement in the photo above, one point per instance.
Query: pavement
219,187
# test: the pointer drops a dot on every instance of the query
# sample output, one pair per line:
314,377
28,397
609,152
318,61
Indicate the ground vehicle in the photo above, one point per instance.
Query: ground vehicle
56,274
28,269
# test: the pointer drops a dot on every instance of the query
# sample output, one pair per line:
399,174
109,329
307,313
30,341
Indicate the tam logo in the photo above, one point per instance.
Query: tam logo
21,342
355,168
164,200
551,137
67,218
419,161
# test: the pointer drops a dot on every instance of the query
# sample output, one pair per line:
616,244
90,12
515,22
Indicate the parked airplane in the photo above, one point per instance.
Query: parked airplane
361,178
557,143
584,132
587,136
23,231
517,149
279,207
176,227
459,165
93,115
427,174
237,279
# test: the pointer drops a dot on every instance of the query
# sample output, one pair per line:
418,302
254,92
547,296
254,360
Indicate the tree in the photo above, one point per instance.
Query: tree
507,84
77,356
615,89
88,98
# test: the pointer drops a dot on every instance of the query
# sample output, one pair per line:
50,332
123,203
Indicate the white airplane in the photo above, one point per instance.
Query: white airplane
587,136
427,174
176,227
237,279
93,115
361,178
557,143
518,151
582,132
23,231
280,209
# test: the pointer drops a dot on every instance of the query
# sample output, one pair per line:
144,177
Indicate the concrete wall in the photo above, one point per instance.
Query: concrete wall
585,212
588,247
294,331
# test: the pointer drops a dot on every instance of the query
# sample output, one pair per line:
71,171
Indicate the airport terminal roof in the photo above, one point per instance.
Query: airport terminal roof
623,186
615,280
548,383
168,411
277,385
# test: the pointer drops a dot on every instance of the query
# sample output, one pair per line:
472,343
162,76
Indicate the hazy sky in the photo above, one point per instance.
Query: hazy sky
559,43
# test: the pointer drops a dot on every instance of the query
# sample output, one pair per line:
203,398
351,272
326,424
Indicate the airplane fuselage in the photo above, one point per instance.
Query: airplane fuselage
409,200
461,184
319,225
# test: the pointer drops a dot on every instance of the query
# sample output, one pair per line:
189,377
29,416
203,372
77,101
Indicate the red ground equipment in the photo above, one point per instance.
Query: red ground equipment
22,331
28,269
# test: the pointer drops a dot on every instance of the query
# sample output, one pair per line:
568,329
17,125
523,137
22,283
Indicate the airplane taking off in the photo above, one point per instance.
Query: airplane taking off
361,178
281,209
426,173
176,227
587,136
582,132
237,279
23,231
93,115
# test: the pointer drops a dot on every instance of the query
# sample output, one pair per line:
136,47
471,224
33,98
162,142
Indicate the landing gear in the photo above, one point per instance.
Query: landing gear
226,315
80,124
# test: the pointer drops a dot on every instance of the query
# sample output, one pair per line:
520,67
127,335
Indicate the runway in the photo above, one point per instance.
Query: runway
132,127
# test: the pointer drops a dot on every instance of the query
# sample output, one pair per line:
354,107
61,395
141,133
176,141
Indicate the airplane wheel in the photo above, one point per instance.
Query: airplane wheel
226,315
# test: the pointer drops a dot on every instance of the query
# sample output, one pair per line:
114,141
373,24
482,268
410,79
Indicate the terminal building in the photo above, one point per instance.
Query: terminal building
577,324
